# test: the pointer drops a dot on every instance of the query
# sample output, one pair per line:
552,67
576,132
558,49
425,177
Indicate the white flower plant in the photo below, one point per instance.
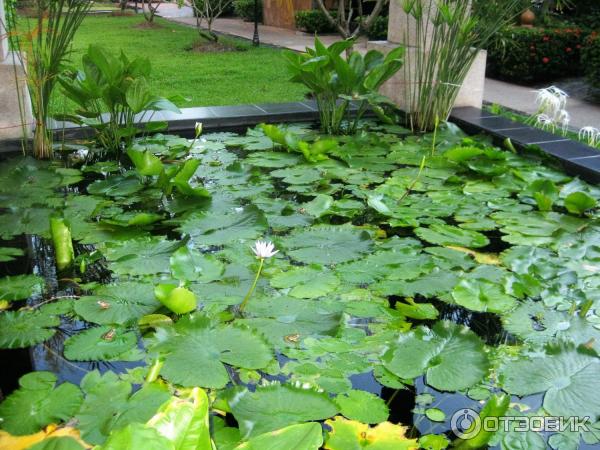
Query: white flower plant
263,250
552,114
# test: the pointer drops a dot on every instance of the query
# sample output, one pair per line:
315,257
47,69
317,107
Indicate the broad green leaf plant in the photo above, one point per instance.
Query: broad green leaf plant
113,96
338,82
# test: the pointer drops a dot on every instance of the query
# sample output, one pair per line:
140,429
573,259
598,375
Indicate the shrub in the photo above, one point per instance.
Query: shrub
314,21
335,80
529,55
591,60
245,9
379,28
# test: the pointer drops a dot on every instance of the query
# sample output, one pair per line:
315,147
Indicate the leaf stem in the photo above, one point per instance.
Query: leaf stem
251,291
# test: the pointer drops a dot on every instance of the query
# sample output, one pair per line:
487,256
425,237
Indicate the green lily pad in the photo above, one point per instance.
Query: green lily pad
327,245
20,329
195,352
276,406
38,402
19,287
102,343
362,406
306,282
449,235
450,356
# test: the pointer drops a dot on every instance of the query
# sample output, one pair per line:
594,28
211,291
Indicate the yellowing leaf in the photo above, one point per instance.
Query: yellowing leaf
10,442
352,435
480,257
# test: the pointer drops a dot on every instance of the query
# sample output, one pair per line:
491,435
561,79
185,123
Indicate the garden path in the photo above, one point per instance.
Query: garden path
515,97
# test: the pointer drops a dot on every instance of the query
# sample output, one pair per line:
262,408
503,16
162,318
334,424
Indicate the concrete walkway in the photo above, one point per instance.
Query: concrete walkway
518,98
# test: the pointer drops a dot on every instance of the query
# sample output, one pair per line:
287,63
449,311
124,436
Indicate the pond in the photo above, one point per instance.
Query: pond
417,280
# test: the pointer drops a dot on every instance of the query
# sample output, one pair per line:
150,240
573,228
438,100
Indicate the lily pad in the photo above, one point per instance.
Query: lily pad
276,406
327,245
306,282
38,402
362,406
449,235
450,356
195,352
19,287
352,435
20,329
102,344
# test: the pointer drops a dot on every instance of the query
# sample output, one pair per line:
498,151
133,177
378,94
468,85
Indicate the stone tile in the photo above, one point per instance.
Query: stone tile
237,111
470,113
586,168
568,149
282,108
529,136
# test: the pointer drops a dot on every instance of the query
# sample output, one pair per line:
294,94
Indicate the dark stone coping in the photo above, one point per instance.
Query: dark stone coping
576,158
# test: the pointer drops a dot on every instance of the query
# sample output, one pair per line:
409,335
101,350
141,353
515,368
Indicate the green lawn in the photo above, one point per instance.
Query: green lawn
226,78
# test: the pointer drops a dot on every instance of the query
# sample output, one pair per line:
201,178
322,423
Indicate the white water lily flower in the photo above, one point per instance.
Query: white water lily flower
263,249
198,128
590,134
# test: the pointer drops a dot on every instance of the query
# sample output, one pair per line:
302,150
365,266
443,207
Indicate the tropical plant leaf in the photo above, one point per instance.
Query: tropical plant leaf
37,403
451,356
276,406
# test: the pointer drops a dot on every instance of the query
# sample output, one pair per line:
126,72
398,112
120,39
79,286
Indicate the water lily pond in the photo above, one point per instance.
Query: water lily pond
404,290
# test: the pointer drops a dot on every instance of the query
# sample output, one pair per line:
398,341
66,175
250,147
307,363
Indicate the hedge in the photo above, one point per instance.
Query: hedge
530,55
314,21
245,9
590,59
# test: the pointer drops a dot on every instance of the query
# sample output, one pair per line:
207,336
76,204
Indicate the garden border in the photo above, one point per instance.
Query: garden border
576,158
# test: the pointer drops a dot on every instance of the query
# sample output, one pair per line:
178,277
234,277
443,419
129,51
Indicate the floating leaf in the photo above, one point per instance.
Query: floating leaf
306,282
450,235
219,229
20,329
352,435
451,356
116,186
117,303
102,343
38,403
362,406
482,295
327,245
178,299
568,377
142,256
191,265
195,353
435,414
10,253
303,436
18,287
579,203
276,406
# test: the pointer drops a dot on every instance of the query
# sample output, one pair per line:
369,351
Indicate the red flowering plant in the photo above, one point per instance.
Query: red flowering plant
531,55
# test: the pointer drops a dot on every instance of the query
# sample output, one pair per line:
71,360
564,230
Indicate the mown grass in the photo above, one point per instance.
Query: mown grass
253,75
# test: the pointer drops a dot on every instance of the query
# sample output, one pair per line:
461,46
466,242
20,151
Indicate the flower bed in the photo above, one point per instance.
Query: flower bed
426,273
